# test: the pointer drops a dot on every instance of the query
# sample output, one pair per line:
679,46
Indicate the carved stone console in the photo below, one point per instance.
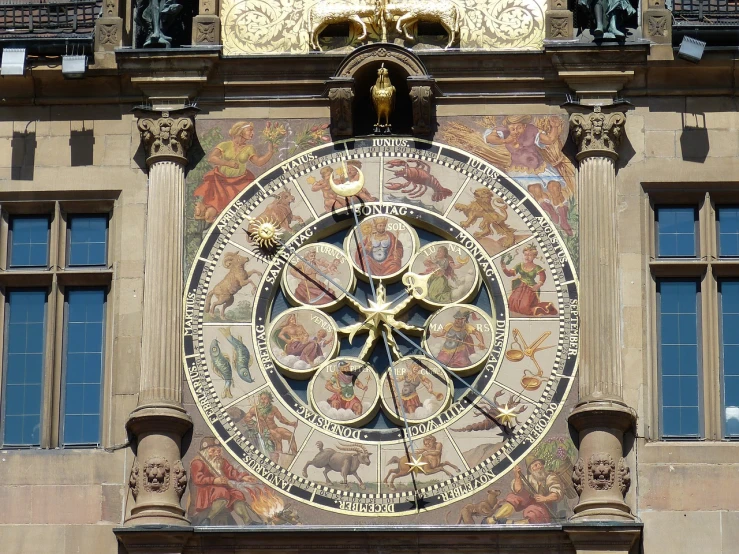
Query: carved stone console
158,478
109,28
601,417
558,21
340,93
206,26
422,89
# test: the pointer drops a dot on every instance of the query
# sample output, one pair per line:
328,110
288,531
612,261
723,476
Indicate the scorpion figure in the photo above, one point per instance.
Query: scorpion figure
491,412
418,179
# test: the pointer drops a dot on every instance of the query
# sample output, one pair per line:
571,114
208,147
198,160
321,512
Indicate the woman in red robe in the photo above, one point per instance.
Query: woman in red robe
230,175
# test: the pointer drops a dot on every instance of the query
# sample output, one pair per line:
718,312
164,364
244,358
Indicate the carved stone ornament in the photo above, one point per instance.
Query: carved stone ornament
578,475
133,480
657,25
601,472
166,137
205,32
180,478
341,100
156,474
624,476
108,34
559,28
422,99
597,133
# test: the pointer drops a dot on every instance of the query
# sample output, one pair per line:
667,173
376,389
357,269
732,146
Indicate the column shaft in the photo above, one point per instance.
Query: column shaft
161,357
600,360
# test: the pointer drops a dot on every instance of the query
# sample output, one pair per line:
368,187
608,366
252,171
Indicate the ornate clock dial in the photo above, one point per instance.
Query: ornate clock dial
425,326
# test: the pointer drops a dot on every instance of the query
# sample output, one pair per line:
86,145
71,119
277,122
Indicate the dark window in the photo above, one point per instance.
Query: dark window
29,241
679,357
83,371
727,221
88,238
729,291
24,365
676,236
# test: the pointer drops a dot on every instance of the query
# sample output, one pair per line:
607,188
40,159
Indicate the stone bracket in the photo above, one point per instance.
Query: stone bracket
423,91
206,30
108,33
558,21
340,94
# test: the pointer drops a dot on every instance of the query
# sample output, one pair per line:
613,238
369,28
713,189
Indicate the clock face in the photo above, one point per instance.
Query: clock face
394,350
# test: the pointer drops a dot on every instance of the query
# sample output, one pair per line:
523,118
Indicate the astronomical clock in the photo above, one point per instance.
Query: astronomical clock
382,326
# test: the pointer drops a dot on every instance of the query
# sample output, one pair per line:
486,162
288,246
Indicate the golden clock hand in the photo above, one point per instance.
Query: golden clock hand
420,349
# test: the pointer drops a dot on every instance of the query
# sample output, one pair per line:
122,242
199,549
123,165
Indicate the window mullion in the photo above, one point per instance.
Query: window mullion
711,349
48,435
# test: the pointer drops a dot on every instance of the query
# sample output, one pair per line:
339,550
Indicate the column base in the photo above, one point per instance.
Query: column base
604,538
602,510
158,479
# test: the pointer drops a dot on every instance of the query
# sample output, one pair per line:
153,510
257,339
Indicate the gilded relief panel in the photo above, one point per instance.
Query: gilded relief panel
295,26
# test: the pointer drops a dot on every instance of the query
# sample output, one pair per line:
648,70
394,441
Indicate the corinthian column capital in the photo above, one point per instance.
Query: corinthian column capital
597,133
166,135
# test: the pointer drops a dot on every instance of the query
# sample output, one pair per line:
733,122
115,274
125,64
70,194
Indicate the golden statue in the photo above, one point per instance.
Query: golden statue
410,12
324,14
383,97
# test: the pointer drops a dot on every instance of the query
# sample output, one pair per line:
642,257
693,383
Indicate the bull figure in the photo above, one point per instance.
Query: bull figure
346,461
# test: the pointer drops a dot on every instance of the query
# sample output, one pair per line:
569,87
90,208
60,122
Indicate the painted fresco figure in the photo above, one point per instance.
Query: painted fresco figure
343,384
441,267
229,175
524,141
263,418
459,340
529,277
608,16
533,495
214,493
332,200
296,341
312,288
384,252
409,383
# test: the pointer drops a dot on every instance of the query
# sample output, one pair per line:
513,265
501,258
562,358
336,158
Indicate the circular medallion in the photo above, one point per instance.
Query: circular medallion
382,247
317,275
415,389
445,272
460,337
430,301
345,391
302,339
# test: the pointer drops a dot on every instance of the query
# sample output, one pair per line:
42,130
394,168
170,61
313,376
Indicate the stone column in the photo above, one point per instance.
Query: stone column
158,478
601,417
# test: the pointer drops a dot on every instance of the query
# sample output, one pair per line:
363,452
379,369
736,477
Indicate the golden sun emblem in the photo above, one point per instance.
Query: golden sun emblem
264,232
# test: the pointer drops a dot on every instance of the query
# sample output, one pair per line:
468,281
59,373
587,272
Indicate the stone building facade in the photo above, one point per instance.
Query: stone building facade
558,200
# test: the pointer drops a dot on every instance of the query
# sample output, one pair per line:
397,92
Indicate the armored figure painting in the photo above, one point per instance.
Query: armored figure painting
461,339
343,384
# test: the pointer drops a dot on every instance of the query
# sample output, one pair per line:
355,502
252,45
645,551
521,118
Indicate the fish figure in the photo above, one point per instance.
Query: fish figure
241,355
222,366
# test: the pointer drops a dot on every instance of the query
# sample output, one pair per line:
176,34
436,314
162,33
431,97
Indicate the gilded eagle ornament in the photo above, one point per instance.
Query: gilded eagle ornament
383,98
